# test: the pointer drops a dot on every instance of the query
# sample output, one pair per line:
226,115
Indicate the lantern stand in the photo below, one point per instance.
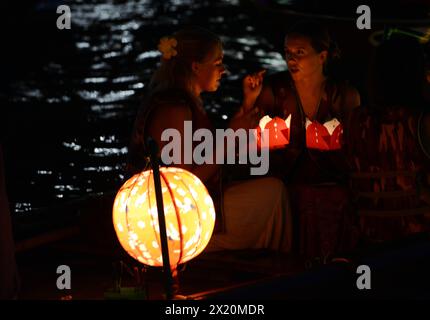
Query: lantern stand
170,274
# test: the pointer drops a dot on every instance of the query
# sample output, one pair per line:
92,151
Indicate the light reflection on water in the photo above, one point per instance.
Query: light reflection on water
23,207
148,54
138,85
107,139
100,66
101,87
72,146
88,14
58,100
82,45
102,152
44,172
95,80
65,188
112,96
102,168
125,79
105,107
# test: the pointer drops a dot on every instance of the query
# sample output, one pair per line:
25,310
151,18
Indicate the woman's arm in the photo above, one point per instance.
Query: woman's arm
352,99
258,101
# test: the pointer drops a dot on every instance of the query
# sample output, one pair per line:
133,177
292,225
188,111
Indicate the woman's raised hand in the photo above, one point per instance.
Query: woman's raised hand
252,85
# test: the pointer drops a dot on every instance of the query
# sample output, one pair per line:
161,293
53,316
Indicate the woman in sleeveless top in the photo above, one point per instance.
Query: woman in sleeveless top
254,214
313,164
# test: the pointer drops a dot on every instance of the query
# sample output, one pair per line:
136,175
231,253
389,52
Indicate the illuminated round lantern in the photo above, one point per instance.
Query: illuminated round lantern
188,209
278,132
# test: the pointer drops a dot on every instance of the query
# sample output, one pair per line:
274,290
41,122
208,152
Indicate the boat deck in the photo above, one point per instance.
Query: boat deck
399,270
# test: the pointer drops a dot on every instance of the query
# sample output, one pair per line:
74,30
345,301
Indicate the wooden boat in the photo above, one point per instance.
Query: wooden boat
90,248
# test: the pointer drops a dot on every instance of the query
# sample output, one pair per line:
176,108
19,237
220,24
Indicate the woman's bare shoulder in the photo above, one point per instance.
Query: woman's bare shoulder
171,114
353,96
347,97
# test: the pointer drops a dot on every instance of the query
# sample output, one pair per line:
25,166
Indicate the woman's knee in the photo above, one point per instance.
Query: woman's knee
276,185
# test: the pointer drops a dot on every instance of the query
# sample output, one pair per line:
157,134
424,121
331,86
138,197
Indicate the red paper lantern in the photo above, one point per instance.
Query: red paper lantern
327,136
278,134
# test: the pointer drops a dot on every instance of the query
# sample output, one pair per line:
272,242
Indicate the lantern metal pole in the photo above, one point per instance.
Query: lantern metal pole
153,149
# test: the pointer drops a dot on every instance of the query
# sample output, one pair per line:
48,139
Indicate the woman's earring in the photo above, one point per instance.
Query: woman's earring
195,68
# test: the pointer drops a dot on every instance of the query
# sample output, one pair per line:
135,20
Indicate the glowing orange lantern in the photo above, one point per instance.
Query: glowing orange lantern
279,132
327,136
188,209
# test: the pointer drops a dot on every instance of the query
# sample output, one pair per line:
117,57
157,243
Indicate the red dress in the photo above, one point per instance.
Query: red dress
315,168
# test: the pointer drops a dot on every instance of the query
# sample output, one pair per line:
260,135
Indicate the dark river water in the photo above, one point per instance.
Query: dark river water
72,105
72,95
